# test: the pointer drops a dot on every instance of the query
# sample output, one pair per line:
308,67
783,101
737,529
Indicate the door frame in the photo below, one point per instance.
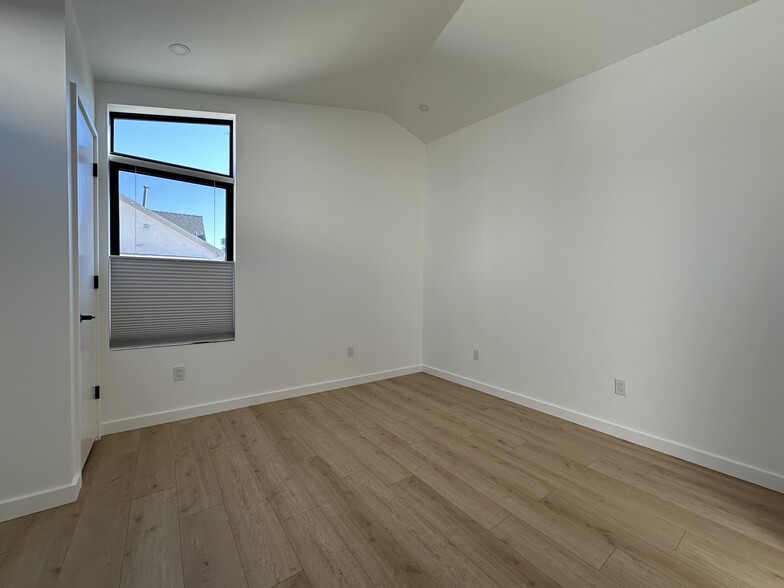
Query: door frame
77,107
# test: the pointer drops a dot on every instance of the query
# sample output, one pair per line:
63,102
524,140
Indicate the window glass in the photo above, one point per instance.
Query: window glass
166,217
203,146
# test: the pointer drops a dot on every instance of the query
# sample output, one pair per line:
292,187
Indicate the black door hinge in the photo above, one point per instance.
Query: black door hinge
95,282
95,170
96,392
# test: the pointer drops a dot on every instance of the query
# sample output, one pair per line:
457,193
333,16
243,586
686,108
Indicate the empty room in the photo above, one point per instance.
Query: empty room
385,293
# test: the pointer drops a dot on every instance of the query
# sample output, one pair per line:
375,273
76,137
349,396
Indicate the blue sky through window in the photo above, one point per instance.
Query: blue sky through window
201,146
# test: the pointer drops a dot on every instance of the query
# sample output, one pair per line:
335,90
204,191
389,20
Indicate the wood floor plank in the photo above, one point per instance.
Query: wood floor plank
624,461
10,531
612,498
449,395
663,559
720,537
209,554
312,404
525,428
527,419
284,490
411,407
480,402
36,558
440,560
728,562
469,454
384,561
290,445
687,505
386,468
326,559
153,554
462,396
326,446
319,480
425,392
363,403
197,486
745,506
468,499
264,549
547,555
95,556
503,565
620,446
486,427
218,432
281,405
592,548
630,572
121,466
335,402
699,477
296,581
155,462
109,445
89,468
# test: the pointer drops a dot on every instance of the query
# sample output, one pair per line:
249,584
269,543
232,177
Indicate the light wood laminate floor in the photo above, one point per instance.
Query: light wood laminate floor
412,481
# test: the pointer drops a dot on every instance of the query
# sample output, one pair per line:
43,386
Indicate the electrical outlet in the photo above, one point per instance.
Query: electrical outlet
179,373
350,351
620,387
476,355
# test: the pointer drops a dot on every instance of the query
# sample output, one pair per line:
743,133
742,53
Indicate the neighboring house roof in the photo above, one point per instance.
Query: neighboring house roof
179,240
188,222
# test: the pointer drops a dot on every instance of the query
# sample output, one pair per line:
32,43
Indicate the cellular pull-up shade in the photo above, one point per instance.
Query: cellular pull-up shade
169,301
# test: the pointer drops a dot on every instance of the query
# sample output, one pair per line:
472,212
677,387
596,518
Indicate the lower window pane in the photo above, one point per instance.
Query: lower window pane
162,217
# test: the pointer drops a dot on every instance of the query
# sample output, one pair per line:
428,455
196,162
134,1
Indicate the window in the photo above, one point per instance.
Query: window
171,229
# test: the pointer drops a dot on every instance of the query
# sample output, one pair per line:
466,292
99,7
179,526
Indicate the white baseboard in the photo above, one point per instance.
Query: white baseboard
168,416
709,460
19,506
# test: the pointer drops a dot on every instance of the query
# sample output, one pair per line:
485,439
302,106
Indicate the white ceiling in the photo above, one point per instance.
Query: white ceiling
466,59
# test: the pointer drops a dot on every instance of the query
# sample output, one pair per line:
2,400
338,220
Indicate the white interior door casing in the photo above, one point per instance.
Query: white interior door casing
87,405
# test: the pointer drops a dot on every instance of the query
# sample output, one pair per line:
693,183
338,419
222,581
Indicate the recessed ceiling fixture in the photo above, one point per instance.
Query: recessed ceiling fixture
179,49
424,107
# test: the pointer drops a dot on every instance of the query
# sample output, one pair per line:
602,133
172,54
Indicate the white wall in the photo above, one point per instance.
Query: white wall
77,64
35,330
328,255
629,225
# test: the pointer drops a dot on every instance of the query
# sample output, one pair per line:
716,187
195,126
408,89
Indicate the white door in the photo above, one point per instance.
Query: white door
88,299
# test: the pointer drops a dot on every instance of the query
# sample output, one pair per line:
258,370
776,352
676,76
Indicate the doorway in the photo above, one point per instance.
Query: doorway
84,140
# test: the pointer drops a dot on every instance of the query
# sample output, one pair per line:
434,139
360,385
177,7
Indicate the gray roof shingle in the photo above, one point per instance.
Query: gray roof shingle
188,222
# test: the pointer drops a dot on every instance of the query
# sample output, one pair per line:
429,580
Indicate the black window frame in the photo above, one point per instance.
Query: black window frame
114,115
181,174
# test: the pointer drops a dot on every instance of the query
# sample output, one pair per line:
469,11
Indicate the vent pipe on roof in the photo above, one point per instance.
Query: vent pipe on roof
144,198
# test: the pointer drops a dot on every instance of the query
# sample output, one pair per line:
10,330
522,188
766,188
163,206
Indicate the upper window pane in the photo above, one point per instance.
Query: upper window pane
199,145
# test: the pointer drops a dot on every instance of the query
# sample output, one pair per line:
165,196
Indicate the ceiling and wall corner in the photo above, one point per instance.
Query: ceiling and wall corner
465,60
627,225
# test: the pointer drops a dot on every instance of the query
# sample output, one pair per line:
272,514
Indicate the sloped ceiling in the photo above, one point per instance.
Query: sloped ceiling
465,59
